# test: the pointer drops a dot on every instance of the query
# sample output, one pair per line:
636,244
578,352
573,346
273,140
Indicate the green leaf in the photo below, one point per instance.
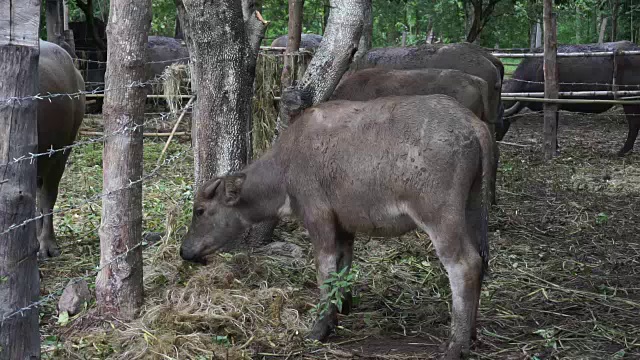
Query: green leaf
63,318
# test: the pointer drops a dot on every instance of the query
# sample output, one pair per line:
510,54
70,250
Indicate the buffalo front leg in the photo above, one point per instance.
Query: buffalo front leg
633,119
47,196
345,258
322,231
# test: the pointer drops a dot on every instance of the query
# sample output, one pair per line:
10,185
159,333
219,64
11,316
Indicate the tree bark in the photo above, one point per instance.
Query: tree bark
119,287
19,278
178,31
331,60
614,19
293,42
538,34
366,39
223,41
603,28
550,81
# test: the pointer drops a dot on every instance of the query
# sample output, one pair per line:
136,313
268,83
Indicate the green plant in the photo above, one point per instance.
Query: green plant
336,285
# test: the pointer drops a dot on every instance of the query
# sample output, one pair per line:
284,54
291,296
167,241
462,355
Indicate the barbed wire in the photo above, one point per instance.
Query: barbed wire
58,292
33,156
156,80
148,62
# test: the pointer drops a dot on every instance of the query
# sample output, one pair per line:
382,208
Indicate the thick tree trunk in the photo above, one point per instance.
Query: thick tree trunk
550,81
293,41
330,61
119,288
224,41
223,49
20,284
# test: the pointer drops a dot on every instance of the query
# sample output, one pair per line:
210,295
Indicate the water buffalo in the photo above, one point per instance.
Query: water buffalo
466,57
59,119
419,162
162,52
589,71
470,91
307,41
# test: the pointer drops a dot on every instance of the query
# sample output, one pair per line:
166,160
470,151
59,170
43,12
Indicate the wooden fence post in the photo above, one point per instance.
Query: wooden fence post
550,81
19,278
119,289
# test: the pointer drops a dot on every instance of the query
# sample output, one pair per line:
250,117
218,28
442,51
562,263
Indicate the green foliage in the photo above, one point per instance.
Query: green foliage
508,26
336,285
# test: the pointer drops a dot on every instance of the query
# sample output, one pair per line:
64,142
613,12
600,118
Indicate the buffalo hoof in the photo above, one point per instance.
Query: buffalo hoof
322,329
623,152
48,250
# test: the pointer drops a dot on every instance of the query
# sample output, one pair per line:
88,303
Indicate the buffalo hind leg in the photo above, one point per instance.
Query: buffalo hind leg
47,196
345,258
633,119
458,253
324,237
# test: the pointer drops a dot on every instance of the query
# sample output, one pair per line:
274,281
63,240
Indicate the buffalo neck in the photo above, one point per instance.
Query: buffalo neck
264,190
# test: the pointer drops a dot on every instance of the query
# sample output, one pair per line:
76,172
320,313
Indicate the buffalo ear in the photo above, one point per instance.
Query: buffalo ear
210,188
232,187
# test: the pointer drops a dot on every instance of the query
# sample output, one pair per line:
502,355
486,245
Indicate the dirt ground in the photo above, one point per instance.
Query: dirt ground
564,268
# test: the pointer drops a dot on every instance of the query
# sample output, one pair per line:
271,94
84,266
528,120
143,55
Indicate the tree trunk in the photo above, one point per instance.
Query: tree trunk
119,287
532,36
366,39
293,42
19,278
219,43
224,41
330,61
550,81
603,28
614,19
538,34
476,22
178,32
55,21
87,9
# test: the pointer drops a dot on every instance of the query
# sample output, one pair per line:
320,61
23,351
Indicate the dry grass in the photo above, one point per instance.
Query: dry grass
564,263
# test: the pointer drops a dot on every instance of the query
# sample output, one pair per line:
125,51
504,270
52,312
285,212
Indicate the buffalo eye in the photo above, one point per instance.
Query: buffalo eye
199,212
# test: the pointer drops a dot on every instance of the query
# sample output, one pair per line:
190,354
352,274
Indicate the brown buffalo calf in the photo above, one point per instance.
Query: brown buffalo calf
384,167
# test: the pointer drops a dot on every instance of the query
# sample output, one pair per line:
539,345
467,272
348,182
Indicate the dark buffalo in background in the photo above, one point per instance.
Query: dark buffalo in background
580,74
59,119
307,41
465,57
468,58
470,91
162,52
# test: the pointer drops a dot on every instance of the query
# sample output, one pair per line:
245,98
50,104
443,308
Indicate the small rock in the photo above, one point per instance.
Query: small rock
282,248
152,237
74,296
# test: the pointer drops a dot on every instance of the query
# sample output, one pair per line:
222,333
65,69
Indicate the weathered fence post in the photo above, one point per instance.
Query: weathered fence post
19,279
550,81
119,289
